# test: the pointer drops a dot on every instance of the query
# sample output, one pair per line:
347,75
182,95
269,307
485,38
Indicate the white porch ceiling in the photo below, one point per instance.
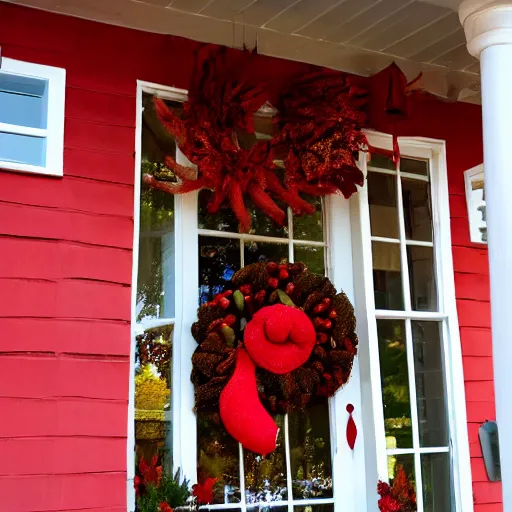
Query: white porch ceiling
357,36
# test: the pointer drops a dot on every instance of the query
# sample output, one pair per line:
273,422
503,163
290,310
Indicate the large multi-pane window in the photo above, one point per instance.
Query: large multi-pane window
404,309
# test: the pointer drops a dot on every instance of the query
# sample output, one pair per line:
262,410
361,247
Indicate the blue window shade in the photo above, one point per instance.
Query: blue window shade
23,100
22,149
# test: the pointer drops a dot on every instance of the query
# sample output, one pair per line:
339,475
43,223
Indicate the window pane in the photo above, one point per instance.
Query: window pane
407,463
219,259
313,257
417,210
395,383
414,166
436,478
421,278
430,386
262,224
381,161
309,227
23,100
22,149
382,201
265,478
387,276
263,251
153,367
310,452
223,220
324,507
218,457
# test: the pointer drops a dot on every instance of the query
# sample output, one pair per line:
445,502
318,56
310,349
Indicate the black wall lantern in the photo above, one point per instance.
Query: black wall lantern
488,435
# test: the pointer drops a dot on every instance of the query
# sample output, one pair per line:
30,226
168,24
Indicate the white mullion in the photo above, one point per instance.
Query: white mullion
385,240
242,253
381,171
291,257
411,451
419,243
40,133
412,176
270,504
289,480
406,290
390,314
243,501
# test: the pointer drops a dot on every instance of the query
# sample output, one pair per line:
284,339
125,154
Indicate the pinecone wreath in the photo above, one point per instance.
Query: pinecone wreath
287,327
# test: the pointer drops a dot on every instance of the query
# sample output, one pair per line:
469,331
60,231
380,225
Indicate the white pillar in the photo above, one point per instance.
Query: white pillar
488,28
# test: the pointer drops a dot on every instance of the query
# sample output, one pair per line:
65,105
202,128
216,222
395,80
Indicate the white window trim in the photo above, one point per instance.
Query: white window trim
376,453
54,132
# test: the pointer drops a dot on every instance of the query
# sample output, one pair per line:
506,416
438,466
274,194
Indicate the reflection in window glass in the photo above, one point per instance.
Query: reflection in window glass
417,210
387,276
324,507
23,149
436,478
381,162
264,251
219,259
310,452
414,166
153,375
312,256
309,227
382,201
430,386
422,282
395,383
407,463
223,220
265,477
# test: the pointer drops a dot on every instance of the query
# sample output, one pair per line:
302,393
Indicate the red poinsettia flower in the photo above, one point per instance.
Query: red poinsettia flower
389,504
203,491
151,473
140,488
400,497
164,507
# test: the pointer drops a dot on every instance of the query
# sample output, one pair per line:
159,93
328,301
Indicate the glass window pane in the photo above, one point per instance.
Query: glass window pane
382,201
422,278
219,259
264,251
324,507
312,256
436,478
223,220
387,276
309,227
22,149
23,100
381,161
407,463
310,452
430,384
395,383
153,377
417,210
218,457
265,478
414,166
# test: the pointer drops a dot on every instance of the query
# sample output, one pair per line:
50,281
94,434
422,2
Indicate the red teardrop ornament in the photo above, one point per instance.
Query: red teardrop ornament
351,428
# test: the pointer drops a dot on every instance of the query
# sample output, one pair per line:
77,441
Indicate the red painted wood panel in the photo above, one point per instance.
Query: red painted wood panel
47,376
63,492
62,417
480,391
76,336
63,260
485,493
477,368
489,507
70,194
39,222
458,206
478,470
479,412
476,341
470,260
471,286
474,313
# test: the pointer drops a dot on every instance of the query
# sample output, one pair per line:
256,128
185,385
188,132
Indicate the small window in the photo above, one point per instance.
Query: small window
31,117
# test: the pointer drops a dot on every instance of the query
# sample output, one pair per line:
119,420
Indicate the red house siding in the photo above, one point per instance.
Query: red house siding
65,271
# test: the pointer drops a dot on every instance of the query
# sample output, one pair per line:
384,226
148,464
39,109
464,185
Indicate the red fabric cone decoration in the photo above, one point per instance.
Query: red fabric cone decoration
241,411
351,428
389,102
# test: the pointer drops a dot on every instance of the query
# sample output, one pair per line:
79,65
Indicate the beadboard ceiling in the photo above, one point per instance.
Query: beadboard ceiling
358,36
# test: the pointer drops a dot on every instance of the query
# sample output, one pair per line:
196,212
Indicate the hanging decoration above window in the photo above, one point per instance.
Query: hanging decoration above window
280,338
319,132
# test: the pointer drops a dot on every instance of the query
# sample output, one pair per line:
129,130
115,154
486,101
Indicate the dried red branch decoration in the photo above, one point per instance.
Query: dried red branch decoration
320,126
291,370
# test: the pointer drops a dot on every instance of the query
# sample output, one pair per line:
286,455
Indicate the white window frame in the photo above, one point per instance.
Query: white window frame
349,266
54,132
376,454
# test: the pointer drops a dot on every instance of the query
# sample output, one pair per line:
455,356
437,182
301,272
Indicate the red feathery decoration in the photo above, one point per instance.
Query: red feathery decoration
164,507
351,428
203,491
320,127
400,497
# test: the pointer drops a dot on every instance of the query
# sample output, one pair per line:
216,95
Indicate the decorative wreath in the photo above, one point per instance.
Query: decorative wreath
280,338
320,128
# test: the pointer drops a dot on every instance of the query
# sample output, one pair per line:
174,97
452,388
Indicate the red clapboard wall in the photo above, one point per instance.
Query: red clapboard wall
65,267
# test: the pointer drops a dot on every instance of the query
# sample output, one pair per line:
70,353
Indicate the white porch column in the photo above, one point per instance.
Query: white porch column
488,28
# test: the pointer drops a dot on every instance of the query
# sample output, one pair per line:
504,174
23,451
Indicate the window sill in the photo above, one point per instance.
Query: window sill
33,169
